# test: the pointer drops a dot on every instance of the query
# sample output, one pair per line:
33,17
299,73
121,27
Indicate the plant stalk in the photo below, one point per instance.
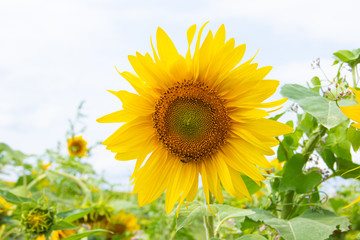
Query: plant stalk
209,220
353,71
310,145
80,183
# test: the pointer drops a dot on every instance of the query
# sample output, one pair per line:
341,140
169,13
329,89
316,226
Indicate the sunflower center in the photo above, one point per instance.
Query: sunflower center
191,121
75,147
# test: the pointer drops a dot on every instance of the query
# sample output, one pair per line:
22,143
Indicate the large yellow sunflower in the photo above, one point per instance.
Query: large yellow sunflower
198,114
353,112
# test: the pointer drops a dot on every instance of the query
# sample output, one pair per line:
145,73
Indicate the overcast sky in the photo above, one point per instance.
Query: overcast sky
54,54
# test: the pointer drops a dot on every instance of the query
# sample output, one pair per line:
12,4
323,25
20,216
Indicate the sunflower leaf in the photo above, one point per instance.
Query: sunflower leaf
315,225
326,112
252,237
12,198
295,179
353,135
72,215
85,234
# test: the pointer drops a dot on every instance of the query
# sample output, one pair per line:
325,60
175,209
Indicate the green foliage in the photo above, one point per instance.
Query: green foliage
326,112
315,225
295,179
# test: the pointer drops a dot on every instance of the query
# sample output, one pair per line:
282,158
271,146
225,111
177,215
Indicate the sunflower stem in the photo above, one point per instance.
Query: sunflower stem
209,220
353,71
314,139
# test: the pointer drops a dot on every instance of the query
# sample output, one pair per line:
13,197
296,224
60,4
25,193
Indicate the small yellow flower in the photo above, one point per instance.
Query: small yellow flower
5,204
77,146
353,112
44,166
58,234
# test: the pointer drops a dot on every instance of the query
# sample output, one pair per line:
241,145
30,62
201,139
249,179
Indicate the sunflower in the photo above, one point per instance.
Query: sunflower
198,114
77,146
353,112
122,224
58,234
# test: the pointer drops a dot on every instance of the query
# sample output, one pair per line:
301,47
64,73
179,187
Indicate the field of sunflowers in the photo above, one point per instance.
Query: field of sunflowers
214,158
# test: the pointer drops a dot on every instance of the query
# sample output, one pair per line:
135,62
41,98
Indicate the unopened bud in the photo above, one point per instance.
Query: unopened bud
37,220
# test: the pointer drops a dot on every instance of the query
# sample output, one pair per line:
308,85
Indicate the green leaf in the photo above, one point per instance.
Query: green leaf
326,112
347,169
295,179
196,210
252,237
314,225
336,204
226,212
316,81
12,198
72,215
61,225
250,184
85,234
353,135
329,158
193,211
345,55
7,154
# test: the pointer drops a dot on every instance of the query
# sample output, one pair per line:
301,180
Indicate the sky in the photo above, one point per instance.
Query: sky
55,54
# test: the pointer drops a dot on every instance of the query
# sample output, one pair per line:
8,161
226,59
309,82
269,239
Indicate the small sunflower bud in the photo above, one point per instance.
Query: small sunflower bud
37,220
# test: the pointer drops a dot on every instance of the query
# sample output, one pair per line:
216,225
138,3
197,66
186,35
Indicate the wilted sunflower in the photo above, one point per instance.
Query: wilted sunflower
77,146
201,113
353,112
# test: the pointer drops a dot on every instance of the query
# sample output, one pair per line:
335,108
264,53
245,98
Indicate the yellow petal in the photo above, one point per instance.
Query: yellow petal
116,117
166,48
354,202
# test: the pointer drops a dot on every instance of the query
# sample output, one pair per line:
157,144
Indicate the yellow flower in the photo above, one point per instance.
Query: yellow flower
58,234
44,166
353,112
4,204
77,146
198,114
121,223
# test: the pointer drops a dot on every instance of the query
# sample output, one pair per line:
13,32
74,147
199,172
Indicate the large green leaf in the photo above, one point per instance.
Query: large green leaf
226,212
61,225
295,179
252,237
326,112
314,225
72,215
12,198
85,234
196,210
